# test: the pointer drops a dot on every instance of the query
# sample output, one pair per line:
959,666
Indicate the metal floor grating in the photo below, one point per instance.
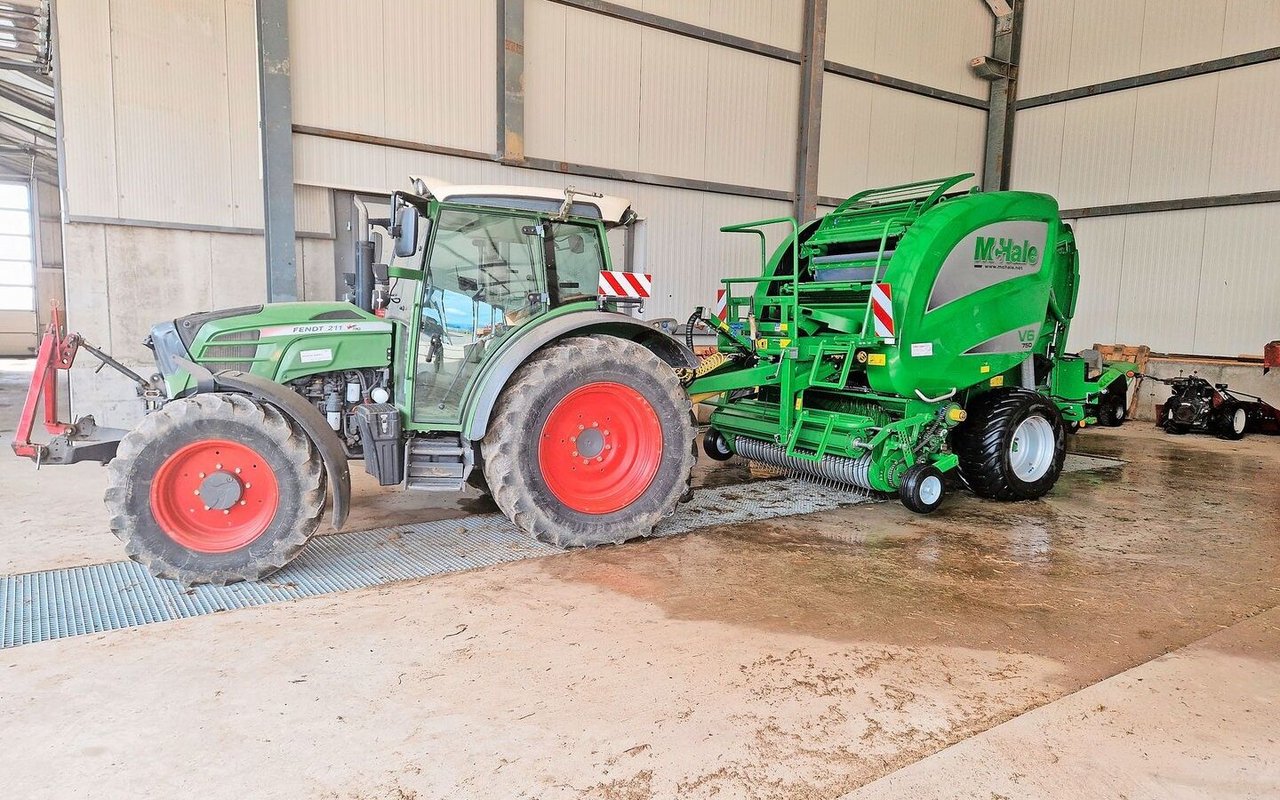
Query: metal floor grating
54,604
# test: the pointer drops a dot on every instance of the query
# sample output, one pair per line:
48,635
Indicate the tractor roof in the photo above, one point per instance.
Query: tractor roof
608,209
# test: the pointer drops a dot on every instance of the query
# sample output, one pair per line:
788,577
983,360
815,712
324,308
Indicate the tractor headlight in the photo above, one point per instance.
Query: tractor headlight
167,345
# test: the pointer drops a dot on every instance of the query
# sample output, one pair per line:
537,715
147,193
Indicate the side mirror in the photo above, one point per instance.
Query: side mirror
406,232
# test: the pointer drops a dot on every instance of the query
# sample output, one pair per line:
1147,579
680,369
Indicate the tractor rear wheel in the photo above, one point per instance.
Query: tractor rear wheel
592,443
216,488
1012,445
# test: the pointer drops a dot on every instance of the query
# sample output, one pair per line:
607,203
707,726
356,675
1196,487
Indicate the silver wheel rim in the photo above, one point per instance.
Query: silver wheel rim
1032,450
930,490
1120,409
1239,420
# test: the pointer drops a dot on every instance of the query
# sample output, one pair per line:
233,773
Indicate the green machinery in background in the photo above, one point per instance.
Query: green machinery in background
913,330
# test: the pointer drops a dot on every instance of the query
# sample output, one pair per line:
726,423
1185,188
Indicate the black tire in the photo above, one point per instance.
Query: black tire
1232,422
529,414
1175,428
716,446
1113,406
189,428
922,488
985,443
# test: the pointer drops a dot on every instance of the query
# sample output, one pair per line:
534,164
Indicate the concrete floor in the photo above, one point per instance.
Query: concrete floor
1119,638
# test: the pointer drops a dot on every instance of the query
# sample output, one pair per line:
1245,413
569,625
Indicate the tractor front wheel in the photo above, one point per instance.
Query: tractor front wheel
1012,445
1113,406
1232,422
592,443
216,488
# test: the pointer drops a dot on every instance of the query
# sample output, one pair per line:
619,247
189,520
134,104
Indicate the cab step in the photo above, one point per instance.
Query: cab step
438,464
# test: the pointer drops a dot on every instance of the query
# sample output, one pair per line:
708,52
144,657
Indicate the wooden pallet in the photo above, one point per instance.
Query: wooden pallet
1138,355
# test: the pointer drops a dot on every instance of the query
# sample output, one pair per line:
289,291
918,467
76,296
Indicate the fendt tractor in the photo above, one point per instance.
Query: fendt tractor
914,331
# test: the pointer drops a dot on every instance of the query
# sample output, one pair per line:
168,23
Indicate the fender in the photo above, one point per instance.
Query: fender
500,369
292,405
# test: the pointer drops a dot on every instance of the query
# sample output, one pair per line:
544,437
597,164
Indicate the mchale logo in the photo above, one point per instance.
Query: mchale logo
1005,252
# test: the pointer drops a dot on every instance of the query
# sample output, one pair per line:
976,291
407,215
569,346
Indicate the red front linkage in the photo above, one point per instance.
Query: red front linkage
81,440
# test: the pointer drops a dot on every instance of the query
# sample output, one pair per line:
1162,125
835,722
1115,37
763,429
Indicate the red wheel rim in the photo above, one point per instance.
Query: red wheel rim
214,496
600,448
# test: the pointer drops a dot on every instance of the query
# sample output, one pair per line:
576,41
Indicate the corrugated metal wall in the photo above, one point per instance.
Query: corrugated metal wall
1197,280
173,93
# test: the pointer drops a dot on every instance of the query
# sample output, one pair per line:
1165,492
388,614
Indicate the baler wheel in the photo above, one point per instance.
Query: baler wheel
215,488
1012,446
1113,407
716,446
592,443
922,488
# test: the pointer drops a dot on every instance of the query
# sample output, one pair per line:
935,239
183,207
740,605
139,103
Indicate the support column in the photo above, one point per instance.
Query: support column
1001,69
813,56
275,119
511,80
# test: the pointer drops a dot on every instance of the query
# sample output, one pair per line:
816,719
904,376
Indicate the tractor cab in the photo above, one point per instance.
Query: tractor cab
470,265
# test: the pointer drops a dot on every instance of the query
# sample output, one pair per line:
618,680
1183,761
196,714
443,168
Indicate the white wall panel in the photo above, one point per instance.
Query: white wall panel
742,87
1037,149
1179,32
313,210
336,72
1100,241
1106,40
926,41
544,79
88,110
1173,139
673,94
602,91
1160,279
1046,48
439,72
1250,25
1244,142
776,22
1238,308
1097,144
172,128
876,136
242,105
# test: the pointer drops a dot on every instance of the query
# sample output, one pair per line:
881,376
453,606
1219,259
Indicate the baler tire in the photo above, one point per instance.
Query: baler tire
716,446
922,489
524,457
216,425
1113,406
984,443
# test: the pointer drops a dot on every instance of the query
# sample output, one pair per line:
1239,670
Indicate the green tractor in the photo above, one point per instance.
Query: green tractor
913,331
490,346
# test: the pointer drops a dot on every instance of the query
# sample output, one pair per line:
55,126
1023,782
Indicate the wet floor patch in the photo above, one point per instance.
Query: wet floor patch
55,604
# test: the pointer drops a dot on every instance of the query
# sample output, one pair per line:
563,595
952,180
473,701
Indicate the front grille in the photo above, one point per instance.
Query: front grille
230,356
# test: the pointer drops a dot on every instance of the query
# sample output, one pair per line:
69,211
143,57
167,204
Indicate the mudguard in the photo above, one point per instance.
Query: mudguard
297,409
500,369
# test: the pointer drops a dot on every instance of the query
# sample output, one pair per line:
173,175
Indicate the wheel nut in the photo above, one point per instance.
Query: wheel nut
247,485
201,474
575,453
242,502
237,470
206,508
226,511
197,491
217,466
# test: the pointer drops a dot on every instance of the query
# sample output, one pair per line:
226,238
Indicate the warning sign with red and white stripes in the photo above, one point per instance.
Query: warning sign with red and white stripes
722,305
882,309
625,284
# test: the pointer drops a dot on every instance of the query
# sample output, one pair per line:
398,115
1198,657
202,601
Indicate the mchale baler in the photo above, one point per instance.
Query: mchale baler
912,331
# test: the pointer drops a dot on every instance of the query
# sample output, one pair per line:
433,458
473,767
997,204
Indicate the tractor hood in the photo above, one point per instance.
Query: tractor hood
280,341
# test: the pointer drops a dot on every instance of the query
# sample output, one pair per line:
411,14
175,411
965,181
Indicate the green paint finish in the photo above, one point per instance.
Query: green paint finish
977,283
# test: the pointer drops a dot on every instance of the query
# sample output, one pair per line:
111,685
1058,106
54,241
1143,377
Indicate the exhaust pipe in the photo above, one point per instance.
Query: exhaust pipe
363,285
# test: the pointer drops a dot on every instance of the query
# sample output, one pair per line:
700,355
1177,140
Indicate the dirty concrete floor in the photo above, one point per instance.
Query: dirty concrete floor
804,657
